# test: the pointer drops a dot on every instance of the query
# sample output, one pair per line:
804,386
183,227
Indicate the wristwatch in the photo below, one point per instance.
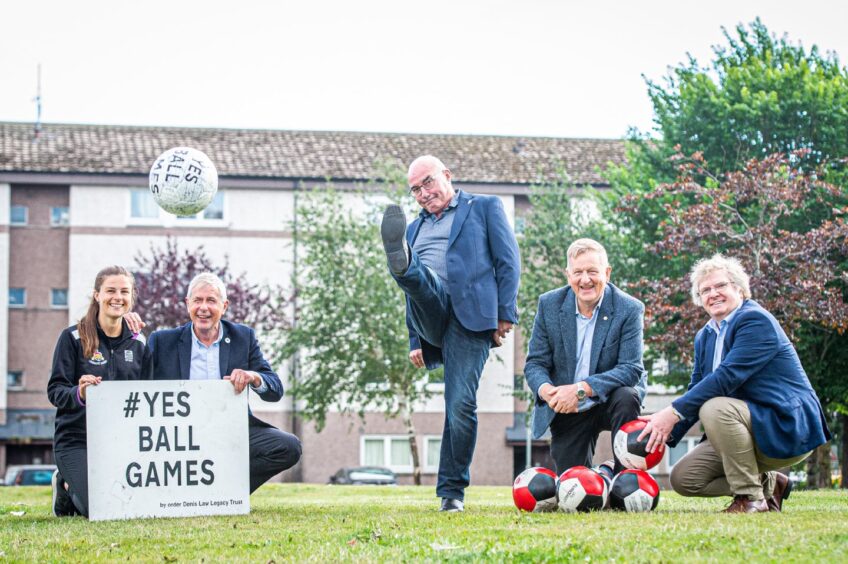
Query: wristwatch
581,391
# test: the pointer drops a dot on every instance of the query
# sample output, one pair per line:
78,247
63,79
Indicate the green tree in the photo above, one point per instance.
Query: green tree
349,333
559,213
759,95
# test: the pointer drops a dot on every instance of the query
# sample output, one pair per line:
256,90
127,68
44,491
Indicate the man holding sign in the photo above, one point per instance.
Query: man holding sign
209,348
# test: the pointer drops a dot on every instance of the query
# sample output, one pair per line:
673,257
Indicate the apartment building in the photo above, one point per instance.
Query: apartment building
74,198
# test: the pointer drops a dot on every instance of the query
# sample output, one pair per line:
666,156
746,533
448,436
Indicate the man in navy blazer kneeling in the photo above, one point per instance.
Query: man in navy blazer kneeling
209,348
748,388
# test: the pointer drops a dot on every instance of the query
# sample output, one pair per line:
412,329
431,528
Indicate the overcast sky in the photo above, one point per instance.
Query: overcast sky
522,67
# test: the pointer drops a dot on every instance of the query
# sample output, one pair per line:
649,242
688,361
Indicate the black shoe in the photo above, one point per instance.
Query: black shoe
451,505
393,232
62,504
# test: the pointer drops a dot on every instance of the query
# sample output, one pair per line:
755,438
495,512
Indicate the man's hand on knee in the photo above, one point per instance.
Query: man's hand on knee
562,399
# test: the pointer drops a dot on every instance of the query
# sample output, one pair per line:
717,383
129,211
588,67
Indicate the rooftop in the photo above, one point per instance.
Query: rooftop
283,154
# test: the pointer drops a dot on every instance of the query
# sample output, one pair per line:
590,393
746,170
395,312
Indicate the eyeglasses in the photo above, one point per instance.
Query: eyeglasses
426,184
704,292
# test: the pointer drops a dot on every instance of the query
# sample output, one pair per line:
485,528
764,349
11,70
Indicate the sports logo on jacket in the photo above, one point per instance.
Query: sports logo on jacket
97,358
128,356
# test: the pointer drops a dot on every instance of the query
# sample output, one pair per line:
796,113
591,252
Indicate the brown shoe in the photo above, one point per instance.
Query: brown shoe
782,489
741,504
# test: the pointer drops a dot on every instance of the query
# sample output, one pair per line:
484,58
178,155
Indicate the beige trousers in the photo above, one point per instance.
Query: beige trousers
728,462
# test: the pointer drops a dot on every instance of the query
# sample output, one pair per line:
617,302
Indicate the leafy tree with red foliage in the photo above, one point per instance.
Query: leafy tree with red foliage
750,214
786,225
162,278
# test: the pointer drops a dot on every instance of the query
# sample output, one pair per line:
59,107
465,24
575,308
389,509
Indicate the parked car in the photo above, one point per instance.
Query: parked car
364,475
29,475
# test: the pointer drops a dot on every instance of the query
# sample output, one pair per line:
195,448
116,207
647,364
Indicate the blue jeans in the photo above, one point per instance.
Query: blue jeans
464,353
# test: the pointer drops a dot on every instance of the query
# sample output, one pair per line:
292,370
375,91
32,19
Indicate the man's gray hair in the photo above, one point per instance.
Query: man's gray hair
208,279
734,269
581,246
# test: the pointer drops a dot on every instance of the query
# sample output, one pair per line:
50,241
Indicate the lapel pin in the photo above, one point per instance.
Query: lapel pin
605,318
227,339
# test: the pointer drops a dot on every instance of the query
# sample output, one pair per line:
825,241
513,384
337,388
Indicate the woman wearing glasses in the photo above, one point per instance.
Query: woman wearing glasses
751,394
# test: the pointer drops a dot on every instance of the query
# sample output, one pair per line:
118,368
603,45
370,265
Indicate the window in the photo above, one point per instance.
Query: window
215,209
17,297
18,215
14,379
142,205
390,451
682,448
373,452
60,216
520,224
59,297
432,449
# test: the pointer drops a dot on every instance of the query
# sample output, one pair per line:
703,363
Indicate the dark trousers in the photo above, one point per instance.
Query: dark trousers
271,452
464,354
574,435
72,463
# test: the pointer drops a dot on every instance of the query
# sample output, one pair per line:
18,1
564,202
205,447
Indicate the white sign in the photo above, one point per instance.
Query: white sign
167,448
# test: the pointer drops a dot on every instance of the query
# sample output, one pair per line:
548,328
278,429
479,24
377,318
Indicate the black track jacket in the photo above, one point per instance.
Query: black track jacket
129,359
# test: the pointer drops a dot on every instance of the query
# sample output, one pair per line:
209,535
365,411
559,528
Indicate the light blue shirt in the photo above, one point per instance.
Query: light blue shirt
585,336
720,329
205,361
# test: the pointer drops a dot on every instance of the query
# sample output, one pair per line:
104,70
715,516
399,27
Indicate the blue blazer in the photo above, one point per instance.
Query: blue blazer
616,348
483,268
760,366
239,348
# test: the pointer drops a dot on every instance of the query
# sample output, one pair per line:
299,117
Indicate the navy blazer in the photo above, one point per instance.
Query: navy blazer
616,348
483,268
239,348
760,366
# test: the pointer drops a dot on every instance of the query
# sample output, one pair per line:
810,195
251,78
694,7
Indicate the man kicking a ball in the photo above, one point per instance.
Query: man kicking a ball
459,267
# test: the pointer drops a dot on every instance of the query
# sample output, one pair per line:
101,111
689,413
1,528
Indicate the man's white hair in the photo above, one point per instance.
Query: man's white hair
208,279
734,269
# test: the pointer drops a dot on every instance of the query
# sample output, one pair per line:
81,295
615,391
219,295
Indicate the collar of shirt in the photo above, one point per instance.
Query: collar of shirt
717,327
594,311
453,203
198,342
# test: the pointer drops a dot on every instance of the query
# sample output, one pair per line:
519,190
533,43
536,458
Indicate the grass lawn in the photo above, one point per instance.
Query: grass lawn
332,523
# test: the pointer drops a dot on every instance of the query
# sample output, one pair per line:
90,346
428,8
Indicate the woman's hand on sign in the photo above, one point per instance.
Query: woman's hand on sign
87,380
242,379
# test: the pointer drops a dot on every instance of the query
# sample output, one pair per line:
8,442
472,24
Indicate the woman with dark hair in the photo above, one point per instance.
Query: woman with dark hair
102,346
